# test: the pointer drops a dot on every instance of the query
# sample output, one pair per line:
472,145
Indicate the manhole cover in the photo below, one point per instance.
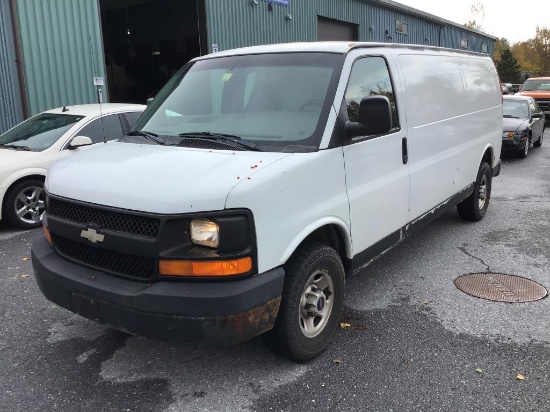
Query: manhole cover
500,287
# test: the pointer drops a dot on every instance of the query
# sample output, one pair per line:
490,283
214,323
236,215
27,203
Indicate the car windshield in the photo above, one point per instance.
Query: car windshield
277,102
39,132
536,85
515,109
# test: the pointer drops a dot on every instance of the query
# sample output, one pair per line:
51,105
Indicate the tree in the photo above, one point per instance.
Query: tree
500,45
508,68
541,44
527,58
477,15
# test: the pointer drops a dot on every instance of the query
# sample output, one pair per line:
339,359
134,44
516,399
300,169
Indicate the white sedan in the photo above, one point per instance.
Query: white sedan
28,149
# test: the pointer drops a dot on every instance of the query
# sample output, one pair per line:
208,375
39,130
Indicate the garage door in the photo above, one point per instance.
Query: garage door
336,30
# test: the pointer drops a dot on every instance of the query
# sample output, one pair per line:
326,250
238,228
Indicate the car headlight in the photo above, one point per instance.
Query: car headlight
508,134
205,233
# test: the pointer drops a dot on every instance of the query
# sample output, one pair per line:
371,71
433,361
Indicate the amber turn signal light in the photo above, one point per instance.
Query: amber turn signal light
212,268
47,234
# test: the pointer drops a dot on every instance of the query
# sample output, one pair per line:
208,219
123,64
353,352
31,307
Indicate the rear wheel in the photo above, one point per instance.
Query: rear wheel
311,304
24,204
474,207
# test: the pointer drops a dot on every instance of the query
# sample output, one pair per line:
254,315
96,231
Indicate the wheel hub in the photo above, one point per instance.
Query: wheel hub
316,303
29,205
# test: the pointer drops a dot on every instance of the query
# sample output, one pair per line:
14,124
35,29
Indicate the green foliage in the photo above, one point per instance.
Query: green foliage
508,68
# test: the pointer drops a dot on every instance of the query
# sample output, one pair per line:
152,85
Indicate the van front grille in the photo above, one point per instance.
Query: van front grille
106,219
122,264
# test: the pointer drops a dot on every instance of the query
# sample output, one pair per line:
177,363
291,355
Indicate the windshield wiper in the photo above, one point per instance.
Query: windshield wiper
152,137
16,147
237,140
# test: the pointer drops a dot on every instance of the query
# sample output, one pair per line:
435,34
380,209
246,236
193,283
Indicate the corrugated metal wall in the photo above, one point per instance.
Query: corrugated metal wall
238,23
62,51
11,111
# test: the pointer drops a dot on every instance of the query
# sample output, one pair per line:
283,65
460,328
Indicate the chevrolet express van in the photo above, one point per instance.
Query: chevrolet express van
258,179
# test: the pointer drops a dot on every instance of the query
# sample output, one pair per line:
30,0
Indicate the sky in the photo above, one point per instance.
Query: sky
514,21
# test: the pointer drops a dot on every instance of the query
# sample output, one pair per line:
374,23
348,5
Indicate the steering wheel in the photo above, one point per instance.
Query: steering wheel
313,103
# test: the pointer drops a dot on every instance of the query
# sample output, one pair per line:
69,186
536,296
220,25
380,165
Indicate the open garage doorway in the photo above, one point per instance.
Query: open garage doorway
147,41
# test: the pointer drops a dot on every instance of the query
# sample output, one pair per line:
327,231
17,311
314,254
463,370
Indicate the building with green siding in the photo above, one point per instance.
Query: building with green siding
50,51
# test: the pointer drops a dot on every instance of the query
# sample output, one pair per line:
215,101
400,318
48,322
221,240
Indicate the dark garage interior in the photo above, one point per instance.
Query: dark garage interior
146,42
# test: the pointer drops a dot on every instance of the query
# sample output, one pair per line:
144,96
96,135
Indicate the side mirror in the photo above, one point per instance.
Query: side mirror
149,100
537,115
80,141
374,117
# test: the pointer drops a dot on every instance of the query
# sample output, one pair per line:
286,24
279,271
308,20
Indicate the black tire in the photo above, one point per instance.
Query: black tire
538,143
522,154
26,196
312,265
474,207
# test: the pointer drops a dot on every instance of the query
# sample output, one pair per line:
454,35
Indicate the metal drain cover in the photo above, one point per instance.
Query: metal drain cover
500,288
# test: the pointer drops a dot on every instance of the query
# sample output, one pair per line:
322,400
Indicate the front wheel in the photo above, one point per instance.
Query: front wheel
522,153
311,304
474,207
24,204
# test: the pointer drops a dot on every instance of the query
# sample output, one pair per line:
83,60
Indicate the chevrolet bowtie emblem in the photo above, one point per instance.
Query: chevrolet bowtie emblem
92,235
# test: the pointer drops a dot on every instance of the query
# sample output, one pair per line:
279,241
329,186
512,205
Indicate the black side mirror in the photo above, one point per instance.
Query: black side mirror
537,115
374,117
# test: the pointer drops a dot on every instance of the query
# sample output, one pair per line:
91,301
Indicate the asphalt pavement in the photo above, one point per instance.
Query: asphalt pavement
414,341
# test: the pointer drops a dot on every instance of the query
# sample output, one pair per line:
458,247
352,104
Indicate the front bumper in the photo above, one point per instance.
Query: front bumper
217,312
512,144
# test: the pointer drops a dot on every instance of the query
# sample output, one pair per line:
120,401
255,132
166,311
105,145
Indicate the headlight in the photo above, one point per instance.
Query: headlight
508,134
205,233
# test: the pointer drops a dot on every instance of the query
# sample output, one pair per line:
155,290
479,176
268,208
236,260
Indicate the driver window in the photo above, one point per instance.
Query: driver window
369,77
106,128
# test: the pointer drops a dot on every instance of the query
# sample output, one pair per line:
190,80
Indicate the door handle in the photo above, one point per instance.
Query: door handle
404,150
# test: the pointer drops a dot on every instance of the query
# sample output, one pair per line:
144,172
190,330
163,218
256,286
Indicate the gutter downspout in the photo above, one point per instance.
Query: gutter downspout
441,27
19,60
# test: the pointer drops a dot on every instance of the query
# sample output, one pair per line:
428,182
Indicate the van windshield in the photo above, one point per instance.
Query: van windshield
277,102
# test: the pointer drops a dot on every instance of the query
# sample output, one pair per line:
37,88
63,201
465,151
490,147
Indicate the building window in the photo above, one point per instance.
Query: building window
464,43
484,48
401,27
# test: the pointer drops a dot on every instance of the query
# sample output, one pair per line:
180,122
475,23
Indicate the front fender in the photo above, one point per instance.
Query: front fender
312,227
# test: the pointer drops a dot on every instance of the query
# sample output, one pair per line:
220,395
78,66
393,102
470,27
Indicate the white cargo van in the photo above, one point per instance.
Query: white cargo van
258,179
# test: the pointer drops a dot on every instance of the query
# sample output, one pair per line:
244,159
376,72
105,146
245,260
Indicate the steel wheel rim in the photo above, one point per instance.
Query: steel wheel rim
526,147
316,303
482,192
29,205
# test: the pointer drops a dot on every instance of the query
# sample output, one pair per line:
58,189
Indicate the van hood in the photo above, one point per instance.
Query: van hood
155,179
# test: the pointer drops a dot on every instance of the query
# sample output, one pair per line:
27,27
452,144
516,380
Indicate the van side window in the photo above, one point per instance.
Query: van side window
369,77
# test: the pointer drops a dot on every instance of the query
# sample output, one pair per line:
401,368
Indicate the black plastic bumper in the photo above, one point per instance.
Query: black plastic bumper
217,312
514,144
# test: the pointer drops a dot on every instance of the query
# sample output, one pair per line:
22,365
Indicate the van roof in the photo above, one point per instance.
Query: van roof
339,47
